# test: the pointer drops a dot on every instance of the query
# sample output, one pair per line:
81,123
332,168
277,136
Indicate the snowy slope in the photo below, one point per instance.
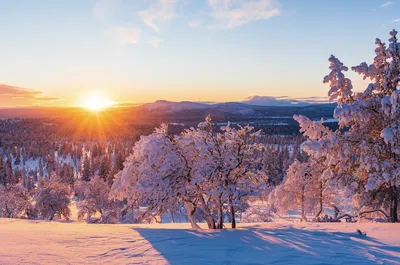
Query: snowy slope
39,242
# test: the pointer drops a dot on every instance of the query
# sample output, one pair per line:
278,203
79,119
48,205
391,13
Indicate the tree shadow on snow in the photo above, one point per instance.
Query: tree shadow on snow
268,246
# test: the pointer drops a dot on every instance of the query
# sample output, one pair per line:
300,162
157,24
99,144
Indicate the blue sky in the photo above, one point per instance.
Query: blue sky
200,50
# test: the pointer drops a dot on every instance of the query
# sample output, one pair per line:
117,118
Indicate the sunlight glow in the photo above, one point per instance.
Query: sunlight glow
97,103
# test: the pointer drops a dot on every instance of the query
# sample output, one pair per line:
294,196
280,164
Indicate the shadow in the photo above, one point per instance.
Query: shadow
285,245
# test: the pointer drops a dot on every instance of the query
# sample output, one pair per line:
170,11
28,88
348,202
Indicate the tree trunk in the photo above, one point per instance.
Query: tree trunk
190,210
303,214
320,201
172,217
394,196
336,211
211,222
233,221
9,214
209,218
220,221
53,213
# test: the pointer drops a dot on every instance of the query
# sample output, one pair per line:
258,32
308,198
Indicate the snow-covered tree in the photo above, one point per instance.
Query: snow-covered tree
302,189
66,174
95,202
153,175
52,199
362,158
199,169
226,166
15,202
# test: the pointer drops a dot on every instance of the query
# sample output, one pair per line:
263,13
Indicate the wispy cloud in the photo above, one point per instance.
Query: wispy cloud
156,42
124,35
234,13
103,9
12,96
195,24
158,11
396,20
387,4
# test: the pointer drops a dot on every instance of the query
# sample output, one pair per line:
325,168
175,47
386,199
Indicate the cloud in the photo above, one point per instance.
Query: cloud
234,13
11,96
47,98
124,35
156,42
396,20
105,8
158,11
195,24
387,4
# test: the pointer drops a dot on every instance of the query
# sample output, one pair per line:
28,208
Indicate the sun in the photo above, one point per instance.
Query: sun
97,103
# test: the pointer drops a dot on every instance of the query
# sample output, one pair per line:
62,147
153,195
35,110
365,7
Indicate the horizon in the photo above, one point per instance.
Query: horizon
256,100
121,52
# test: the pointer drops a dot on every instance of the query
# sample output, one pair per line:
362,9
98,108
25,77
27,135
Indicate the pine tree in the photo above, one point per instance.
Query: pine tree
17,157
105,167
86,169
3,172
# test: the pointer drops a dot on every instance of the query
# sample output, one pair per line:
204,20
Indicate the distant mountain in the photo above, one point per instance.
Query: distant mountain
174,107
171,106
186,110
245,107
274,101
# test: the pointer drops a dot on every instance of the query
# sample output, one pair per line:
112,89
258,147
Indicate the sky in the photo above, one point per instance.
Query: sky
58,53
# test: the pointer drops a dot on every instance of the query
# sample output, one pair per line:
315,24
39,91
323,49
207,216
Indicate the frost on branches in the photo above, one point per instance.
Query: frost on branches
362,158
207,173
52,199
15,202
303,189
95,203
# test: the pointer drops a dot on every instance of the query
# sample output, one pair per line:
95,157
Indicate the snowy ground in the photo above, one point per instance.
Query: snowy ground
40,242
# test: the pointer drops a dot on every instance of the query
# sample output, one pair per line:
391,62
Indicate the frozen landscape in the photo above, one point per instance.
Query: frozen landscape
199,132
41,242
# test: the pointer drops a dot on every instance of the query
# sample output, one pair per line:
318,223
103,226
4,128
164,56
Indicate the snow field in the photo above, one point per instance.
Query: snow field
41,242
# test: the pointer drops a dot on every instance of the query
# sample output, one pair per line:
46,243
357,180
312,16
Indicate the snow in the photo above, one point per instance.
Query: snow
41,242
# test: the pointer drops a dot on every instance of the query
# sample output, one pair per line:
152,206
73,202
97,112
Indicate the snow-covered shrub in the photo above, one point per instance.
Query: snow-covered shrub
95,205
79,189
135,215
303,190
299,190
52,199
15,202
257,212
